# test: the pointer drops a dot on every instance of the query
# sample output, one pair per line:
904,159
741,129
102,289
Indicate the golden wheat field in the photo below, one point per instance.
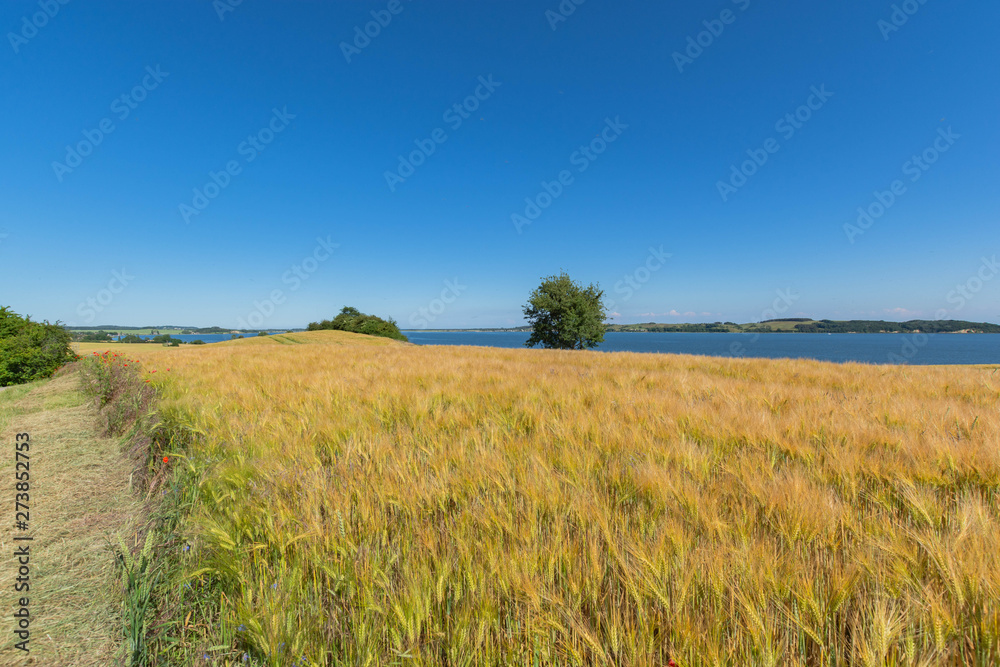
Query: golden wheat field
363,502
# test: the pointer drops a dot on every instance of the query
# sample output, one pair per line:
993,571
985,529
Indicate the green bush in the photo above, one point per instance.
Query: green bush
353,320
93,337
30,350
166,339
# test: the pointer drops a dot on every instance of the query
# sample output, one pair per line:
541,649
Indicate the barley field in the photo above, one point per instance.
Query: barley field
362,502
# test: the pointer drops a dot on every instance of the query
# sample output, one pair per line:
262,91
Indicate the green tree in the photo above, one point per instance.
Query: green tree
352,319
565,315
30,350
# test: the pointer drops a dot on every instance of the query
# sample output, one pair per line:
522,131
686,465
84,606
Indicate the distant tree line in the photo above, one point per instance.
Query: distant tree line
652,327
30,350
107,337
880,326
805,325
353,320
184,330
92,336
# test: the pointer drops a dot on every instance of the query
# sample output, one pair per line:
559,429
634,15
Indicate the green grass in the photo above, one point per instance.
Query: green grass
80,503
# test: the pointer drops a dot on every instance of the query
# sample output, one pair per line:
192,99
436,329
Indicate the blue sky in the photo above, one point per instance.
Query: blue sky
643,124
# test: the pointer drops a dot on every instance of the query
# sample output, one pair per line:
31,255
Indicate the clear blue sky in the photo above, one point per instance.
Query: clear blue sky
657,184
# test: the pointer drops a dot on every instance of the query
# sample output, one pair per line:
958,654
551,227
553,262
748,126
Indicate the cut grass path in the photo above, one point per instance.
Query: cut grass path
80,500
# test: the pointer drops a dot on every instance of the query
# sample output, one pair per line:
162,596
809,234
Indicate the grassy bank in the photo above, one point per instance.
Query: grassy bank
81,502
346,502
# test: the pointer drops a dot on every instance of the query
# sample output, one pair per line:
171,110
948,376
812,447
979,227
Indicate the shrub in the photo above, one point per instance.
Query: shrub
30,350
353,320
164,339
93,337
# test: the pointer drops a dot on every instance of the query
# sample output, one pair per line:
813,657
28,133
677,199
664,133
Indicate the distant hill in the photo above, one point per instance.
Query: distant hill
805,325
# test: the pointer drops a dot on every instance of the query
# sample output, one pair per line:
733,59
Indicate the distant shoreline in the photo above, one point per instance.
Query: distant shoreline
897,333
795,325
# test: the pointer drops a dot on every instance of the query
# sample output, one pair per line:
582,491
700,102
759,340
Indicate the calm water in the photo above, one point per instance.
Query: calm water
868,348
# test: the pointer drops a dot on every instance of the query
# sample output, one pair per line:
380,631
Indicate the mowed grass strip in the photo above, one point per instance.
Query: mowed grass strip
79,500
384,503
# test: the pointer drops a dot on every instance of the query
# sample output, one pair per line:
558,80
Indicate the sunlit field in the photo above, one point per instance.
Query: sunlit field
363,502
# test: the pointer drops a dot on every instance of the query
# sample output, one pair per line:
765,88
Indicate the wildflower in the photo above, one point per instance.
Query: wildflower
242,628
187,547
166,459
246,656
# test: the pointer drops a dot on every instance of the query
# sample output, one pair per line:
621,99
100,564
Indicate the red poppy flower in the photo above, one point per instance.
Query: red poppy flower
166,459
